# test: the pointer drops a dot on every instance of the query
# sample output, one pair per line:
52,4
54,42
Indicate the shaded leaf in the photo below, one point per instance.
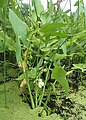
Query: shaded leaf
32,73
1,46
60,75
9,42
59,56
2,3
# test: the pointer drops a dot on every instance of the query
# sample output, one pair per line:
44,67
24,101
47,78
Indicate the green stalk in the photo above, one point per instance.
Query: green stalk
5,10
45,104
31,97
36,87
29,89
36,95
70,26
37,70
41,97
28,85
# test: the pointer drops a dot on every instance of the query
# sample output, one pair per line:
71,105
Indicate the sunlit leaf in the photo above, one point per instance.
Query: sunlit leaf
20,28
39,7
79,66
59,34
51,27
18,50
51,8
21,77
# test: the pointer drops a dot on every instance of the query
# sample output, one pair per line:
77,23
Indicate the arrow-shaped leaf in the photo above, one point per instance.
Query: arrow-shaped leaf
60,75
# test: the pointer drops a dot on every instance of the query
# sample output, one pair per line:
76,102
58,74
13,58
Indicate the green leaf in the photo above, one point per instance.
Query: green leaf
31,74
59,56
64,48
39,63
9,42
43,18
80,66
21,77
59,34
20,28
51,27
18,50
2,3
51,8
39,7
55,33
1,46
34,17
60,75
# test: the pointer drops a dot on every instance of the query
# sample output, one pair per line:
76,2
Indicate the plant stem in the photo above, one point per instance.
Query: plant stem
37,70
31,97
41,97
5,10
36,95
45,104
29,89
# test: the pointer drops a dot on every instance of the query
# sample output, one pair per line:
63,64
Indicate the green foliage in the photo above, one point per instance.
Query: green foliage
41,39
79,66
20,28
60,75
3,3
52,26
18,50
9,42
38,7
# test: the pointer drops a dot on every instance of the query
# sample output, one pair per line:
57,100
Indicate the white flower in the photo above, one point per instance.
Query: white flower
40,83
45,62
